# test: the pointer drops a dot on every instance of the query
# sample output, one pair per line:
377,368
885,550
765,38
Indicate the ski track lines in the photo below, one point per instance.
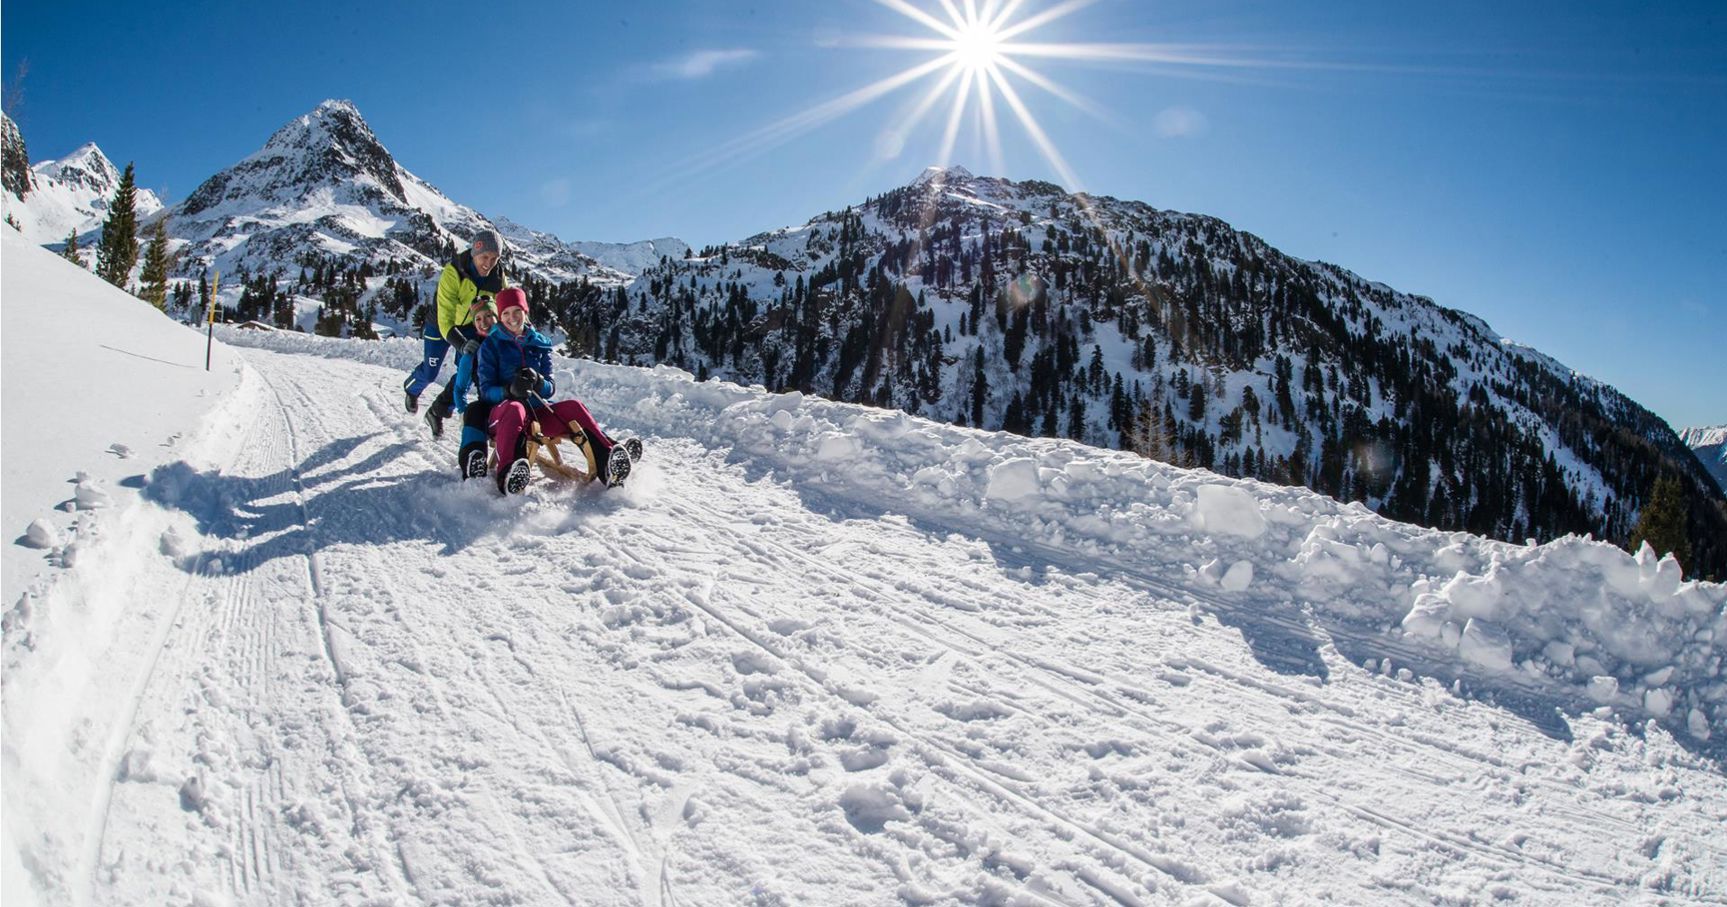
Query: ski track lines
404,689
459,822
1075,685
244,680
1078,686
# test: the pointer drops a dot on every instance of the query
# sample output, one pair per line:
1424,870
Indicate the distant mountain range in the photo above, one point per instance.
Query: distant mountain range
1710,445
1018,305
1005,305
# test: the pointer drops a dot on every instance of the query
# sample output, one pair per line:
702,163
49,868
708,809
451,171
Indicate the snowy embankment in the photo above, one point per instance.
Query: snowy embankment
1578,621
99,390
98,387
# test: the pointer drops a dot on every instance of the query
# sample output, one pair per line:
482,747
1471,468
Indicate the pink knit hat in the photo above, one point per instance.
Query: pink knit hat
512,298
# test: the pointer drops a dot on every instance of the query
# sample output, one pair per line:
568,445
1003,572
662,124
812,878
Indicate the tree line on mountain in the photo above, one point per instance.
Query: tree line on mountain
1229,342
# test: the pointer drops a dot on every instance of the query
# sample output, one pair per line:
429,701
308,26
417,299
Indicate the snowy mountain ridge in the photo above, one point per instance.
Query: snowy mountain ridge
1172,334
70,193
325,185
813,652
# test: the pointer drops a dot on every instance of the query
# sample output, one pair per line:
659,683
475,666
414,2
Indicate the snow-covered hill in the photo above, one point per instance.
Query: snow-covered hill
814,652
1710,445
68,194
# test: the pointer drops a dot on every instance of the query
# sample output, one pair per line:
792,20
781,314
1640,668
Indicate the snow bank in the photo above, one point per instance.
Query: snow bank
140,388
1554,618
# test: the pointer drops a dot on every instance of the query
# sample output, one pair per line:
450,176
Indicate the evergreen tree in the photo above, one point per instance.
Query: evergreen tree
119,249
1662,522
71,251
158,261
979,388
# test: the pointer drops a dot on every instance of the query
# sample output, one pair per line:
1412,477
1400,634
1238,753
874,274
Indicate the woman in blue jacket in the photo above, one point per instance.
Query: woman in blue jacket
510,373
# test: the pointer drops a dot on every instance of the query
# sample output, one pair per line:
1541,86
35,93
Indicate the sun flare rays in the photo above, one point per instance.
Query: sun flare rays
980,55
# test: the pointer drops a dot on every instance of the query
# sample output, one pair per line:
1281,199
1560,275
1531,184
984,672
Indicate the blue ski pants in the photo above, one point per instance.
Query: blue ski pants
436,348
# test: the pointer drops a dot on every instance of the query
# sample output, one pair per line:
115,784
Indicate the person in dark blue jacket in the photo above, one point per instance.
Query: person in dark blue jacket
510,373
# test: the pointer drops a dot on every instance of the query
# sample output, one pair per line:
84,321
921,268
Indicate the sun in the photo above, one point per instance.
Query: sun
978,47
979,54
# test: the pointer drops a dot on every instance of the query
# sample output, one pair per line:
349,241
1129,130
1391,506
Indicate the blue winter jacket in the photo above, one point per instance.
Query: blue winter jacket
464,366
502,353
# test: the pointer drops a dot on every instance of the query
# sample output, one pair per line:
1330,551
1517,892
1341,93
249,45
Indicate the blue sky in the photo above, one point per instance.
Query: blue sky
1555,168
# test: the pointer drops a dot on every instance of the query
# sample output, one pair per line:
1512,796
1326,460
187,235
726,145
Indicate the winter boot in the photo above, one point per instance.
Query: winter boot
617,466
411,401
513,480
435,420
473,460
634,447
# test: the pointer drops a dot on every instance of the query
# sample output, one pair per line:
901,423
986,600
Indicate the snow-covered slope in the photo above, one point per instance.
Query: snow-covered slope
635,257
99,389
819,653
71,193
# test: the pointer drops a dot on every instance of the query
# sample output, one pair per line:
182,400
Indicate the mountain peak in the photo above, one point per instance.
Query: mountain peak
936,174
87,166
329,150
333,122
337,105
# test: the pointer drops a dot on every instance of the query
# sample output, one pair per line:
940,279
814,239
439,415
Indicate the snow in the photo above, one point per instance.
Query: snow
138,376
634,257
812,653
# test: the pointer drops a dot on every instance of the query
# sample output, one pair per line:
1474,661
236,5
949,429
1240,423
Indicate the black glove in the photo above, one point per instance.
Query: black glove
527,381
470,348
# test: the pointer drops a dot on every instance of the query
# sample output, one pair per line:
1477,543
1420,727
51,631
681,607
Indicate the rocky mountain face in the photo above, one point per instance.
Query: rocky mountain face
14,159
1017,306
49,200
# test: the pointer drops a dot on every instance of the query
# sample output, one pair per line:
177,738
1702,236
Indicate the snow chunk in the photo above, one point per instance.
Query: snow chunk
1013,480
1229,510
870,807
1239,577
1603,688
838,448
91,495
1485,644
41,534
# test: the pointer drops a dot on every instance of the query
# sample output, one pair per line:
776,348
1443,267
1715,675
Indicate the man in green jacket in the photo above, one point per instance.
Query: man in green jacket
474,274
